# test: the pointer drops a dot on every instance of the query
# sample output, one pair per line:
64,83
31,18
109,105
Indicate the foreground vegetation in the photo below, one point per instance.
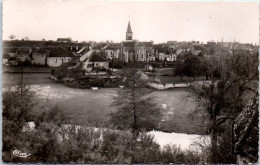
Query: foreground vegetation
51,142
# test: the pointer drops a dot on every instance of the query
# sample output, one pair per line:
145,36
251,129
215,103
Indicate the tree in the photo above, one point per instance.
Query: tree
26,38
17,103
193,66
221,98
11,37
136,109
179,69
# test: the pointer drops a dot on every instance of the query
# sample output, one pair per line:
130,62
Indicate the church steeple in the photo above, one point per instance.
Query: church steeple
129,30
129,33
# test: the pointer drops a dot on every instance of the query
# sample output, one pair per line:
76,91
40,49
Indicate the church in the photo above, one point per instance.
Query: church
135,51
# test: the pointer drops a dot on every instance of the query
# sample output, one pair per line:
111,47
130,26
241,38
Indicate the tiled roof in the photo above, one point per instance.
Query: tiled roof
24,50
129,43
64,39
56,51
147,44
5,56
109,47
10,49
134,43
196,52
95,57
198,47
115,45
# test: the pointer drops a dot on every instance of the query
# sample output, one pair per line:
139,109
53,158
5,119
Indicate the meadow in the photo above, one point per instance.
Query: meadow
83,106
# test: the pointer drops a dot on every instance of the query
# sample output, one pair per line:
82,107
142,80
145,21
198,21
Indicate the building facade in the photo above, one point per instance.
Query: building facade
135,51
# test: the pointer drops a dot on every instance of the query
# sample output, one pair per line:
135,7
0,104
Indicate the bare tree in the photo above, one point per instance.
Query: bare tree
11,37
136,110
221,98
26,38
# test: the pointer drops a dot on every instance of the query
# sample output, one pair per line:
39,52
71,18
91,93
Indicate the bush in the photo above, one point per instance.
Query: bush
116,64
97,82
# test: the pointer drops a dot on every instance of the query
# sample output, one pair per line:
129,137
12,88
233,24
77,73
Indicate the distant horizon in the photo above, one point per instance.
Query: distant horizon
150,21
73,41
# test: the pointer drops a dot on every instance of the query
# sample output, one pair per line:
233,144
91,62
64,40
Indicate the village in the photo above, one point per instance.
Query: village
76,64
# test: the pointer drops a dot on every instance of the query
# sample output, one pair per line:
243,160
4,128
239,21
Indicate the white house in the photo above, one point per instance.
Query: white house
171,57
161,56
57,61
112,51
52,56
92,60
39,59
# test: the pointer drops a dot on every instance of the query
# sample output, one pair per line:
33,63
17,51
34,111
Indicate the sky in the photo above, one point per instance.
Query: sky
84,20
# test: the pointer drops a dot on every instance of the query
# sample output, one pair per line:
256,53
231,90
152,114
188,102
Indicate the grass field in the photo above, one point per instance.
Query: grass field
85,105
26,69
29,78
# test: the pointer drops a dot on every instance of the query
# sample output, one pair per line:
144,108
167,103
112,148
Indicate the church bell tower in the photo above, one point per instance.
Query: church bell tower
129,33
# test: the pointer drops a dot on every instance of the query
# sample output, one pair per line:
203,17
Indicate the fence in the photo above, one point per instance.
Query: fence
165,86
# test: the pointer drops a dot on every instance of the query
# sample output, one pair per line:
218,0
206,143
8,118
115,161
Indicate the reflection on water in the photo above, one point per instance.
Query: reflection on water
179,139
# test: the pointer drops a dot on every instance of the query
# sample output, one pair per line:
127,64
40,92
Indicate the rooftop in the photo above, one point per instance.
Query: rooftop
55,51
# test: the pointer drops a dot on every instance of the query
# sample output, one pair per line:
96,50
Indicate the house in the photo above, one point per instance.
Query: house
171,57
93,59
23,53
198,49
64,39
11,51
39,58
98,61
112,51
229,45
179,51
162,56
57,56
5,59
74,49
8,55
81,51
51,56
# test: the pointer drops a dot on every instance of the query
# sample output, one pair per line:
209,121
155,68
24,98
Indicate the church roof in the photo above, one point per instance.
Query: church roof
129,30
132,44
147,44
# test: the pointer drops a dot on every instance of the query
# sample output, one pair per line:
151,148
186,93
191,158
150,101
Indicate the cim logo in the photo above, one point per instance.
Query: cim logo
18,153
